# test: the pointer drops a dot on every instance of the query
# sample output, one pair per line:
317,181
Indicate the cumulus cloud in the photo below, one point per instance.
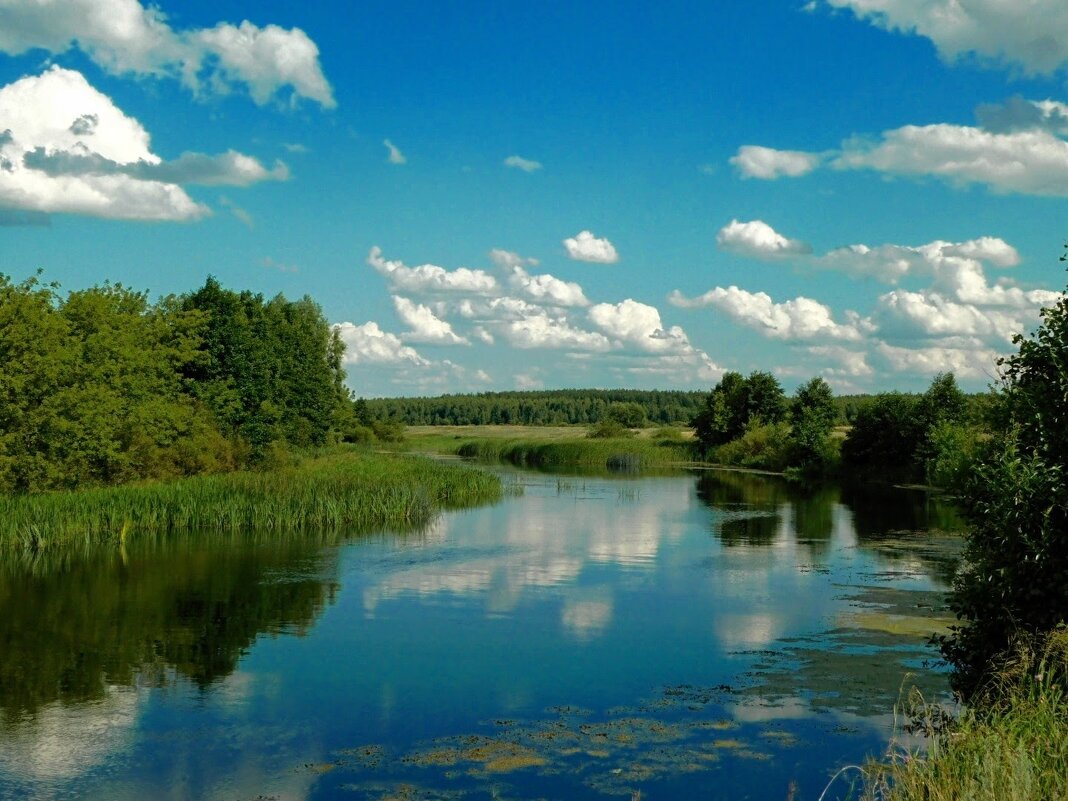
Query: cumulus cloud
394,155
754,161
1027,36
964,362
124,36
58,119
548,289
584,246
1033,161
891,263
520,163
756,239
430,277
904,314
426,326
509,259
798,319
536,328
369,344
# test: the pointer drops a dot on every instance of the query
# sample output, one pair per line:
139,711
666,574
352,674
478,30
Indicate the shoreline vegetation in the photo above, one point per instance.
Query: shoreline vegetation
344,488
120,417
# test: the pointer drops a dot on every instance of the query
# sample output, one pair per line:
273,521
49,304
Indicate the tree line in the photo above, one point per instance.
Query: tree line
543,407
101,386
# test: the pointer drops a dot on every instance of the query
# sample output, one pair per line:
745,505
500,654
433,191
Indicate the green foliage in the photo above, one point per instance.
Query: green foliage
609,429
895,436
269,370
547,407
763,446
1009,744
812,417
102,387
1015,579
388,430
337,490
602,453
628,415
735,403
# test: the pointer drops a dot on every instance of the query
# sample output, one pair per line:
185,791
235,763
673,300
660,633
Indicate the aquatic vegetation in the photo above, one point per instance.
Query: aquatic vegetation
341,489
620,454
1011,744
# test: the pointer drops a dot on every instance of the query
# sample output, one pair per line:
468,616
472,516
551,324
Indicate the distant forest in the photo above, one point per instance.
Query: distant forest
556,407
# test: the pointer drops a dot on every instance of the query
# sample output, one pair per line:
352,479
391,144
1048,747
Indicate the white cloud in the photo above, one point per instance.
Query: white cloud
1031,162
754,161
520,163
798,319
426,326
369,344
509,259
758,240
546,288
584,246
123,36
535,328
639,325
927,314
59,112
891,263
394,156
850,363
430,277
1026,35
526,381
964,362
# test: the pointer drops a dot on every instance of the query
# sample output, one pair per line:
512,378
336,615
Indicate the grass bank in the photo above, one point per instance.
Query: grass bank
611,454
1011,744
341,489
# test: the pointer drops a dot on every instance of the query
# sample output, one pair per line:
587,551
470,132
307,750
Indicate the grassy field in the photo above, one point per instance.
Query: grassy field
344,488
555,446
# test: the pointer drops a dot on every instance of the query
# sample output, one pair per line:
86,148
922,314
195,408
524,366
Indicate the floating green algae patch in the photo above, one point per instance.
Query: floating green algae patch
613,754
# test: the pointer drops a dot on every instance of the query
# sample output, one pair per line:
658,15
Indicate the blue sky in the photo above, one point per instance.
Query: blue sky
486,196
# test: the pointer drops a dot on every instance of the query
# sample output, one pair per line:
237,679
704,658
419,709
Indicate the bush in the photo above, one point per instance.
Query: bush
609,429
762,446
388,430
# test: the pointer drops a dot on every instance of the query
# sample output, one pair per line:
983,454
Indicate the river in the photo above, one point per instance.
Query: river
713,635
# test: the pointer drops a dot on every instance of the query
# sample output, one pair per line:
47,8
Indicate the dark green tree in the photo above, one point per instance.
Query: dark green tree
1015,575
812,416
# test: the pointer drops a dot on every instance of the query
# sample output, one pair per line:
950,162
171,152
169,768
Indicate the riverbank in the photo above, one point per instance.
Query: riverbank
342,488
1010,744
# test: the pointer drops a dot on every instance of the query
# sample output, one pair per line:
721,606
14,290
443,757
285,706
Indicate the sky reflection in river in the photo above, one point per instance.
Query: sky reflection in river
257,667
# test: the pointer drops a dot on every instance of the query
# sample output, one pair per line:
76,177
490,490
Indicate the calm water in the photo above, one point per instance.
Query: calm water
718,636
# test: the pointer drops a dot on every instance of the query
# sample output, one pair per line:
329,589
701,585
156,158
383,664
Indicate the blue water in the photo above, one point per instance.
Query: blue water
715,636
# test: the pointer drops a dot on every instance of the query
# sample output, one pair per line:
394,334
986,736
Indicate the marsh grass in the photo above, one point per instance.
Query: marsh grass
622,454
339,489
1011,744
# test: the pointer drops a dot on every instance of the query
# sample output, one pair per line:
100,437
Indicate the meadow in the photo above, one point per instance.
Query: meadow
556,446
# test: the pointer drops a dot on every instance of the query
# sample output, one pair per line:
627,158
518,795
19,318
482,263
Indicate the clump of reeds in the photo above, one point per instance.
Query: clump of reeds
627,453
1010,744
339,490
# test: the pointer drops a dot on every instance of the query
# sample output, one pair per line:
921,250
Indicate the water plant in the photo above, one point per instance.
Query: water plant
341,489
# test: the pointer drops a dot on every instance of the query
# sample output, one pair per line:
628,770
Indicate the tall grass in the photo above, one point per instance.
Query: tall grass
612,454
337,490
1011,744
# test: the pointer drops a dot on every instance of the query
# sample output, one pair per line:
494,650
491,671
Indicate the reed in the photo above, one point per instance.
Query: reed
613,454
1010,744
342,489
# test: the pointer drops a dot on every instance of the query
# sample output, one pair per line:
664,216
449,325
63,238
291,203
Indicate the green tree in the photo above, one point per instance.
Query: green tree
628,415
812,416
1015,575
764,399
